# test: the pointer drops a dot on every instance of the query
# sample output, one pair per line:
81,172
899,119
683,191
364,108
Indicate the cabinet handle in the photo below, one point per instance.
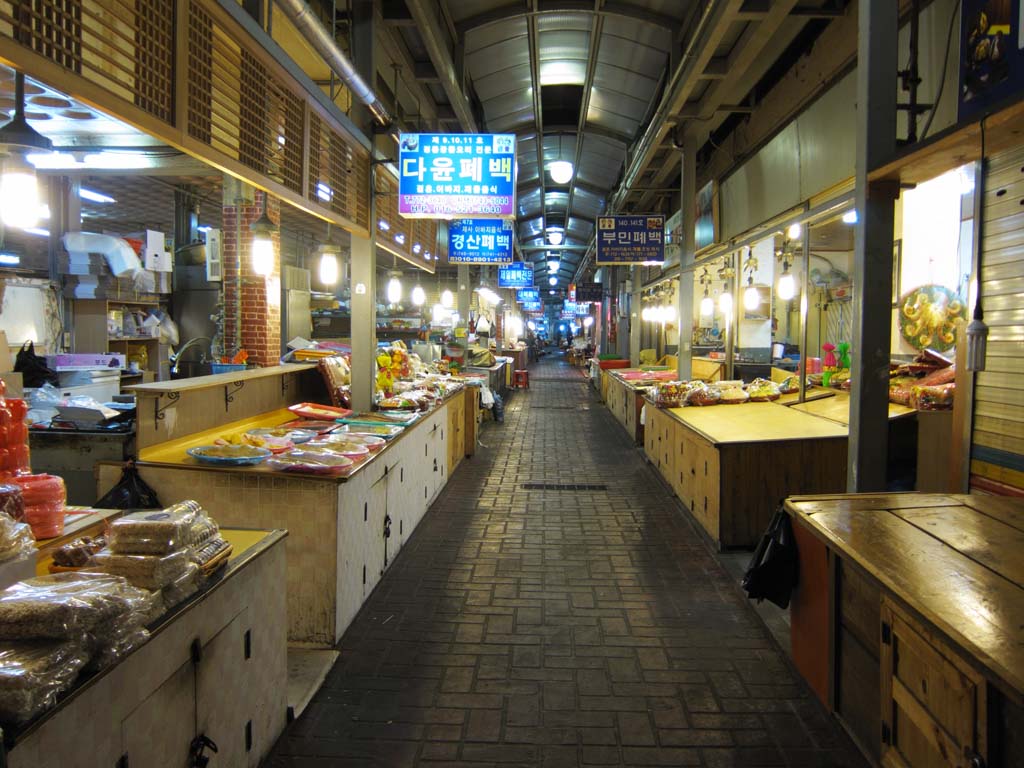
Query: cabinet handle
974,760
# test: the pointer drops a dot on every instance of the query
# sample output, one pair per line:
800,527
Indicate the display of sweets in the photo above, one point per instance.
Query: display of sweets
669,394
14,453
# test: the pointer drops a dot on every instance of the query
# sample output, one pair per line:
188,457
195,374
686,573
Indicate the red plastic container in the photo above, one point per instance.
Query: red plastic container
45,520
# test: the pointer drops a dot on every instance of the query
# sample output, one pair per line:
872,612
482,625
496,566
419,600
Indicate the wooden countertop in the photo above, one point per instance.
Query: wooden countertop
837,408
216,380
755,423
954,559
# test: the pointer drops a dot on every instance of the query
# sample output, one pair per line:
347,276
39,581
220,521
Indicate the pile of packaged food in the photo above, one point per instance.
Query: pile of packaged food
927,383
53,627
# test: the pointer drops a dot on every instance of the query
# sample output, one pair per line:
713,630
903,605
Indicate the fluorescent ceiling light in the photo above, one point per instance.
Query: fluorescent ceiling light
850,217
555,237
95,197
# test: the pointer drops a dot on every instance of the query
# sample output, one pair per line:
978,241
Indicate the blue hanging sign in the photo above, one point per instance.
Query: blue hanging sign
636,239
516,275
450,175
524,295
532,306
480,241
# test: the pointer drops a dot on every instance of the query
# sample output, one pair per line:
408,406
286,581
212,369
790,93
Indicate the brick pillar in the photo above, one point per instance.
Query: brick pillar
259,305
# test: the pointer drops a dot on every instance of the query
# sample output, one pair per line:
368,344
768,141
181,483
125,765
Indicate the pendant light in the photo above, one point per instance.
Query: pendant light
553,266
552,280
447,299
19,188
419,296
555,237
263,230
725,301
394,289
328,261
707,304
787,283
751,297
561,170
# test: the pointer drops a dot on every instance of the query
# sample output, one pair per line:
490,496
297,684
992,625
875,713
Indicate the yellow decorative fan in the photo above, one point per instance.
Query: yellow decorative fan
928,315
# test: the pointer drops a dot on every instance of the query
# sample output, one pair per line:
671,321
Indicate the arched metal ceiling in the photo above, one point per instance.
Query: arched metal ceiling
602,84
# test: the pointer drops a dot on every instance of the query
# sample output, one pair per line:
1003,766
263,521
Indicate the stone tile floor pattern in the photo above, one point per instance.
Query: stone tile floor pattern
559,628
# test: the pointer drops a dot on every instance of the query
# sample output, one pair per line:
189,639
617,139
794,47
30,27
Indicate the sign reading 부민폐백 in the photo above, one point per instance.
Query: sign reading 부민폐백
480,241
638,239
515,275
450,175
527,294
589,292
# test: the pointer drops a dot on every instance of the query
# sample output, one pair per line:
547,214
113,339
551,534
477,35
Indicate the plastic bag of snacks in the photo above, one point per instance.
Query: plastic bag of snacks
669,394
702,394
762,390
12,503
145,571
733,396
182,587
184,525
78,553
44,497
65,606
109,647
32,674
934,398
16,540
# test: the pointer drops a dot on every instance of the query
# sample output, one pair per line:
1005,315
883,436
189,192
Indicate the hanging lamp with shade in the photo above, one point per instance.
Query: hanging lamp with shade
328,260
786,288
707,304
263,231
751,296
20,204
447,299
726,274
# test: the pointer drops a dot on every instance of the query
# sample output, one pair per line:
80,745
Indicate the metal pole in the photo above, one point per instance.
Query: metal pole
684,298
877,66
803,313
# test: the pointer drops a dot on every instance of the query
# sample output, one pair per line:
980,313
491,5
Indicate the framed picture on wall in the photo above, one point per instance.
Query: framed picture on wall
897,267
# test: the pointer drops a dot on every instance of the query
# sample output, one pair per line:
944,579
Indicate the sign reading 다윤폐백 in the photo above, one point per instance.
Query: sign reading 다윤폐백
480,241
515,275
636,239
449,175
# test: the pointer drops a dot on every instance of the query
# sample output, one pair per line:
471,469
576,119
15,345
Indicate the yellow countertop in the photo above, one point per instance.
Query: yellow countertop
755,423
837,408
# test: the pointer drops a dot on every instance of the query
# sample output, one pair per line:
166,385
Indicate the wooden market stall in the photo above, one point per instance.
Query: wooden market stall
732,465
907,619
343,531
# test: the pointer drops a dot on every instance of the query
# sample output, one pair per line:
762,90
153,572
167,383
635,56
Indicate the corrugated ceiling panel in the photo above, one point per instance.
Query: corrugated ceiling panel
624,53
576,21
511,80
483,37
563,44
638,32
511,123
625,81
504,54
618,102
507,104
617,124
563,72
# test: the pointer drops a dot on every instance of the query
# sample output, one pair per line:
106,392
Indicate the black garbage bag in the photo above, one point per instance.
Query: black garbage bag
130,492
774,568
33,368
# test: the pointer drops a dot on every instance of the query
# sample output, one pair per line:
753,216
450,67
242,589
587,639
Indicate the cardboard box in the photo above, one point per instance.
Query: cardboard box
15,384
85,362
6,358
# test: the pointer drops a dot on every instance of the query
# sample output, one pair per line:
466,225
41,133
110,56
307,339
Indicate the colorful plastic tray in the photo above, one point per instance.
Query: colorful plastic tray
293,434
199,453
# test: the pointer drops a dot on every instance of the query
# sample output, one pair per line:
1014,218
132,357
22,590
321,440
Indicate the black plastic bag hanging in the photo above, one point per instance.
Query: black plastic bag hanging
774,568
33,368
130,492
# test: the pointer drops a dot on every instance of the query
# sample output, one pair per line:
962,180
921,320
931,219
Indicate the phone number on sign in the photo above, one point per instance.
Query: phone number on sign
456,205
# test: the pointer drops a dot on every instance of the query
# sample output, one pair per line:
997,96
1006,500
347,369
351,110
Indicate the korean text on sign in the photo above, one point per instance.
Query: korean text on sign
446,175
636,239
480,241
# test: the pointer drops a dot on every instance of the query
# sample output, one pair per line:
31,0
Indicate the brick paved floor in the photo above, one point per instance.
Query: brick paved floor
559,628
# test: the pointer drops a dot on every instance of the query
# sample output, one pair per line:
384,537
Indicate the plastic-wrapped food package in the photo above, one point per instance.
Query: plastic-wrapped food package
111,646
702,394
78,553
66,605
44,497
32,674
182,587
16,540
11,502
145,571
161,532
762,390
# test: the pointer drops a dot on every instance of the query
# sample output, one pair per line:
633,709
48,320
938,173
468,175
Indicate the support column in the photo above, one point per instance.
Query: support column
635,323
463,294
684,297
872,272
364,320
252,302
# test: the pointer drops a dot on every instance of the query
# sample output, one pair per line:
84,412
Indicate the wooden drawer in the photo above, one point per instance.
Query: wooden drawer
705,470
934,706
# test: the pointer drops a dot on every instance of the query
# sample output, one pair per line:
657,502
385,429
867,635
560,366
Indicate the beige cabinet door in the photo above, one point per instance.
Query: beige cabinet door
224,709
161,730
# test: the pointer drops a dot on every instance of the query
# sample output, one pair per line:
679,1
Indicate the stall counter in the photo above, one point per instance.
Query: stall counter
732,465
906,622
216,664
343,531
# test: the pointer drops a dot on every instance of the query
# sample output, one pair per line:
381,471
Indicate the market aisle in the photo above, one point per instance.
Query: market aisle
560,626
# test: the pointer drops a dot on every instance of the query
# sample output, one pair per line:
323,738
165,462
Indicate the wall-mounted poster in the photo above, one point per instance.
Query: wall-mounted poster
706,224
991,59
